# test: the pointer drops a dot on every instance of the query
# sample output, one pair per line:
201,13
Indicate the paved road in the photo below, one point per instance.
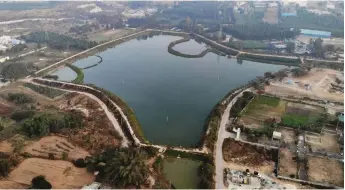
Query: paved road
223,134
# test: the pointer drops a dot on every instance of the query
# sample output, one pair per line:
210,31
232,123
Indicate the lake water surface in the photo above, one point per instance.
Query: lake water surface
170,95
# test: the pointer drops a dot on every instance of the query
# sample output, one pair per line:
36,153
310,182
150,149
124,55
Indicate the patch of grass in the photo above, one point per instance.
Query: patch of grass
49,92
291,119
80,74
270,101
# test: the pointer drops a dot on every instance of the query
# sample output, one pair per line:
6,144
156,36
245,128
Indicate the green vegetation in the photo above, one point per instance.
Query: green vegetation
241,103
58,41
136,127
80,74
270,101
291,119
213,125
247,44
39,182
122,167
43,124
19,98
22,114
205,172
5,166
260,31
309,20
17,48
14,71
49,92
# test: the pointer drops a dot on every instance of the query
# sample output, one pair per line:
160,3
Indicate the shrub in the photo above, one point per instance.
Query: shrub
79,163
4,167
21,115
64,156
19,98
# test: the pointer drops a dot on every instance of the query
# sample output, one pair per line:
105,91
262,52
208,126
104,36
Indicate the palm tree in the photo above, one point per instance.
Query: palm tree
126,168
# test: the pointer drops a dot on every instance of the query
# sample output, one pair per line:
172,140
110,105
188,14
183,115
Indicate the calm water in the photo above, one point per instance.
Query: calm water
171,96
65,74
191,47
183,173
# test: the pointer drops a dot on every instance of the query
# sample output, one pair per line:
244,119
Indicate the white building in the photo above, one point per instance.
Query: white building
330,5
4,40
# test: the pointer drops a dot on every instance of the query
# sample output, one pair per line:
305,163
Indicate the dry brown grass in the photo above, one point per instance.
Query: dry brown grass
6,147
287,166
61,174
324,143
325,170
7,184
57,146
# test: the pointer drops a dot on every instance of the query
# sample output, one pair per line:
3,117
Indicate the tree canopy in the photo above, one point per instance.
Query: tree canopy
58,41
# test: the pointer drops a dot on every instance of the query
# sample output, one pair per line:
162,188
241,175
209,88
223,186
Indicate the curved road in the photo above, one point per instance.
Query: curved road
223,134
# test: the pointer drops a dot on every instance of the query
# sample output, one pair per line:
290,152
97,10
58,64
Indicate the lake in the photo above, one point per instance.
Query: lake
170,95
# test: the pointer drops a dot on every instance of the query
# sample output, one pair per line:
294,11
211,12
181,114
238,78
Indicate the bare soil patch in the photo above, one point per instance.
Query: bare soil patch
289,137
247,154
325,170
271,15
97,132
110,34
57,146
6,147
7,184
323,143
320,80
61,174
287,163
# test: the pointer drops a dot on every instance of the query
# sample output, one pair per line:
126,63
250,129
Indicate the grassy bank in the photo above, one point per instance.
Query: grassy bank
271,60
80,74
136,127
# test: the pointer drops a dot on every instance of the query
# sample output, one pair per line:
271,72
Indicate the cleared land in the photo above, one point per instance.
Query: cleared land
61,174
287,164
271,15
248,155
326,171
110,34
289,138
57,146
320,81
323,143
262,108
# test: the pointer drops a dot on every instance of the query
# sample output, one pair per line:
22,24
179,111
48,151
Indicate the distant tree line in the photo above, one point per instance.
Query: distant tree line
260,31
58,41
17,48
84,28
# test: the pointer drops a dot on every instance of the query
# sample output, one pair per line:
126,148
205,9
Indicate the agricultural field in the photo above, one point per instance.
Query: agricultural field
59,147
287,163
262,108
61,174
325,170
248,155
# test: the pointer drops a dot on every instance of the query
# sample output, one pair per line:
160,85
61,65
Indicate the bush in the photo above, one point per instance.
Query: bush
19,98
79,163
4,167
39,182
21,115
64,156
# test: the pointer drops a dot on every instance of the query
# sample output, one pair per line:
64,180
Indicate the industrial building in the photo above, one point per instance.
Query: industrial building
316,33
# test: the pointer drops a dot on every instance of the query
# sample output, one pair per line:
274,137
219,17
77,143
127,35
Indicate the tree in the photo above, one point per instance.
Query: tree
4,167
39,182
268,75
126,169
39,46
318,47
290,47
231,39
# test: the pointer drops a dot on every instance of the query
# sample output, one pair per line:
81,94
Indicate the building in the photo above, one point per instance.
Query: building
316,33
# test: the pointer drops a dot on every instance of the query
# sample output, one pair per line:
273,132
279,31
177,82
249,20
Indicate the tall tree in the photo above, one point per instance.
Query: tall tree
290,47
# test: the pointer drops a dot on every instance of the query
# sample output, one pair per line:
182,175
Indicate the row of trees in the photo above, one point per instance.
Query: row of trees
19,98
84,28
44,124
260,31
14,71
17,48
58,41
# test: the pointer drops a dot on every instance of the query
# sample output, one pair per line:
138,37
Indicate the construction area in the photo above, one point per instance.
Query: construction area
323,84
324,170
287,163
248,155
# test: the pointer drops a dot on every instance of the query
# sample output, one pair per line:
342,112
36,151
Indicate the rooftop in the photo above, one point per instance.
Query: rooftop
315,32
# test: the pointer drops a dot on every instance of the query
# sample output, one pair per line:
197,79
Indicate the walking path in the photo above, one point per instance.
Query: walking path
110,115
223,134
